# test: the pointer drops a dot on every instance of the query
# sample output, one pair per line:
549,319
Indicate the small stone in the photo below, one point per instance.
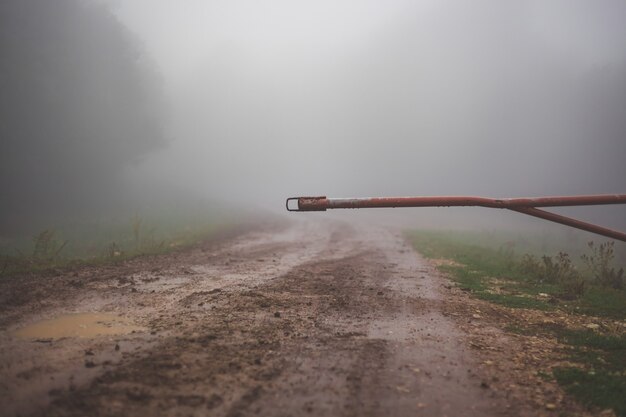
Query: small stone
592,326
117,347
550,406
476,316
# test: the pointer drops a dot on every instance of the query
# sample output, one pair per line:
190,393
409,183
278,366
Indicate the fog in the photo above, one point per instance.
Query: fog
250,102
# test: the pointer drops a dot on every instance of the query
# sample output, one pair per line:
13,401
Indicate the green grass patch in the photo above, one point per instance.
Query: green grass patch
605,302
594,340
601,389
477,268
514,328
600,381
113,240
499,275
595,350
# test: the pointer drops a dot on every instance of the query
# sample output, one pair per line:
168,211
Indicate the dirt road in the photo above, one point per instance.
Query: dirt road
315,318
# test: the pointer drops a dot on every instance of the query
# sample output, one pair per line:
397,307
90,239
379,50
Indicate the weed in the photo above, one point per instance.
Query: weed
530,265
599,264
558,270
46,247
149,240
113,250
136,225
507,251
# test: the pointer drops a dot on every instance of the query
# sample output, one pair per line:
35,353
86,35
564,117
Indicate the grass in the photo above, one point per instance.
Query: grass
109,241
602,380
596,388
600,389
602,302
490,274
497,274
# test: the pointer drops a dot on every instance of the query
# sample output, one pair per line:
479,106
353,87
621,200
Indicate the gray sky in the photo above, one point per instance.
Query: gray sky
358,98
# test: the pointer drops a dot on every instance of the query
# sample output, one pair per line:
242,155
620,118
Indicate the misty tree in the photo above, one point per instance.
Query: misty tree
79,104
601,119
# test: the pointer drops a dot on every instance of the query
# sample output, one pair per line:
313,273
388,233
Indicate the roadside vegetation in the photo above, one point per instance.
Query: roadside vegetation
108,241
589,283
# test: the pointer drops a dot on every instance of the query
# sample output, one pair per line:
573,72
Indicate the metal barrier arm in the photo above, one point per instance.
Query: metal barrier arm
521,205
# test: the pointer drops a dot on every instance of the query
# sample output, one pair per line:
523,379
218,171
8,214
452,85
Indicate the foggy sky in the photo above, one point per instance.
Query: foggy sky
363,98
357,98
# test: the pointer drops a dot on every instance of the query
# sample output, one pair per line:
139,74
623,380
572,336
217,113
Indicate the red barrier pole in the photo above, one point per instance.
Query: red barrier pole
521,205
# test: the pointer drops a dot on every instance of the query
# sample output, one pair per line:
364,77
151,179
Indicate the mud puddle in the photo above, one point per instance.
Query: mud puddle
83,325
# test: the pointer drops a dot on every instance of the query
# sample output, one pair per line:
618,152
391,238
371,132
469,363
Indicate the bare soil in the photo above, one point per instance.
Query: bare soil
314,317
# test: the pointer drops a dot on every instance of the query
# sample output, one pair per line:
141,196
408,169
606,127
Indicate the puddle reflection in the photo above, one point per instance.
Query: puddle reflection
78,325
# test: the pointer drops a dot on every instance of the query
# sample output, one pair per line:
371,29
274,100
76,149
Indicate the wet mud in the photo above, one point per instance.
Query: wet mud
77,325
315,318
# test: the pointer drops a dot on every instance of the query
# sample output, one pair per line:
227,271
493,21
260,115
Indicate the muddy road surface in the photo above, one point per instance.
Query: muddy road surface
315,318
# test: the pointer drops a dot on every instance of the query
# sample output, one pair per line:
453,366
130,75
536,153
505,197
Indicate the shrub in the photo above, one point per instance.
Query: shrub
558,270
599,264
530,265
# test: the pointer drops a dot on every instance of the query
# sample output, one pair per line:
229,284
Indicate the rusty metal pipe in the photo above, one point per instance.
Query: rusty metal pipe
521,205
324,203
568,221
